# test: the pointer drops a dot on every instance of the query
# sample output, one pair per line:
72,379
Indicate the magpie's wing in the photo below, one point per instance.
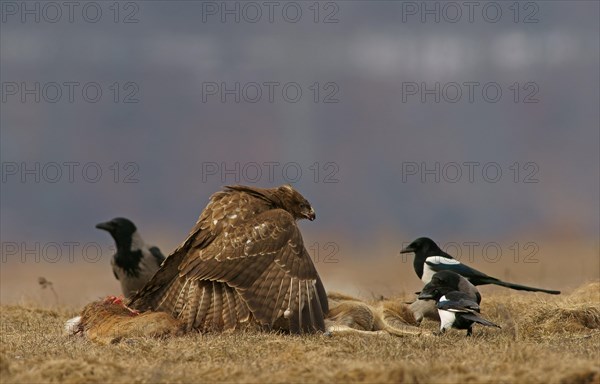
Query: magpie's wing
440,263
478,319
469,304
458,302
157,254
452,306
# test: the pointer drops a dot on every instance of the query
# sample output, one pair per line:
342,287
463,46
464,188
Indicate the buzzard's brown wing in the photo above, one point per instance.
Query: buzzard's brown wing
207,228
258,266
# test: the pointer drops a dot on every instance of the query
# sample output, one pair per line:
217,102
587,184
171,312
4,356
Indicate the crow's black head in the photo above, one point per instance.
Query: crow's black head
120,228
423,246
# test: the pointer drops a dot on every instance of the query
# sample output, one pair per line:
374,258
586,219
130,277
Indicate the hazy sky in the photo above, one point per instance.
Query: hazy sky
412,119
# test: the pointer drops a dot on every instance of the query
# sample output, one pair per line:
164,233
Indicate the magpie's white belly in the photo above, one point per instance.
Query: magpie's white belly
427,274
446,319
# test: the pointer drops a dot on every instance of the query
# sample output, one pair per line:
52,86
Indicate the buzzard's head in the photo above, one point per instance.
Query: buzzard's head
293,202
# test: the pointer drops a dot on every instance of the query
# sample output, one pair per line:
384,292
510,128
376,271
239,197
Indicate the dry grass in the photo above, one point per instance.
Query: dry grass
544,339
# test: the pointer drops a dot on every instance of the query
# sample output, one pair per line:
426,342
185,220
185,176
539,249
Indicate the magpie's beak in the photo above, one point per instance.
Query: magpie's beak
310,215
408,249
105,226
426,296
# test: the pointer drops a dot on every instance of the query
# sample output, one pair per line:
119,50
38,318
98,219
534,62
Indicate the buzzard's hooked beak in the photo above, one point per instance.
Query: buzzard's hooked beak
106,226
310,215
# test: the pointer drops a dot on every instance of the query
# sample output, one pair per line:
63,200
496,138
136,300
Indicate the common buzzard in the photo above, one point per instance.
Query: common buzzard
244,260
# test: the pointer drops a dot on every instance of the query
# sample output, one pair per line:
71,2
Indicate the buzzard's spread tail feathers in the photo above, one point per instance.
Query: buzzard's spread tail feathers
212,306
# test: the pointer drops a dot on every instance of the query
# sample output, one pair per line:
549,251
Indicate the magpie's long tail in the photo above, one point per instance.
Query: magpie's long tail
491,280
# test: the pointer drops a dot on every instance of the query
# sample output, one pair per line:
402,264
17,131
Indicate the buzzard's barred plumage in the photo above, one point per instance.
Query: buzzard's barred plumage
244,259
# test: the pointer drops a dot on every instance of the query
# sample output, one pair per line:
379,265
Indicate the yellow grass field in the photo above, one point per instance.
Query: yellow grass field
544,339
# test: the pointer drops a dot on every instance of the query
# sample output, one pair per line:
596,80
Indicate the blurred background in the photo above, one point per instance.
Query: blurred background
477,126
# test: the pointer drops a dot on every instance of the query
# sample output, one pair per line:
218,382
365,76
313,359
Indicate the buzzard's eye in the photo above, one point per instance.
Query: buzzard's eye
303,206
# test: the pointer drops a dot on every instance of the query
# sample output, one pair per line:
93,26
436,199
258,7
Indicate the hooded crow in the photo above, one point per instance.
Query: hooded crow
459,310
429,259
135,262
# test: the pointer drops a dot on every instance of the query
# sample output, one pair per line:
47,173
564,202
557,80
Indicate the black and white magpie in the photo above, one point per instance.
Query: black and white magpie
429,259
135,262
457,309
428,309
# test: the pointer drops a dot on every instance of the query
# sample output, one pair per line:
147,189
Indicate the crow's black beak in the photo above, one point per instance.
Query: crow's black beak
105,226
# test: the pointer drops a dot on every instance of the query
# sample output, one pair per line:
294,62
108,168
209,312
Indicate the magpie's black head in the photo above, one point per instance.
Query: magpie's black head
423,246
120,228
446,279
441,283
